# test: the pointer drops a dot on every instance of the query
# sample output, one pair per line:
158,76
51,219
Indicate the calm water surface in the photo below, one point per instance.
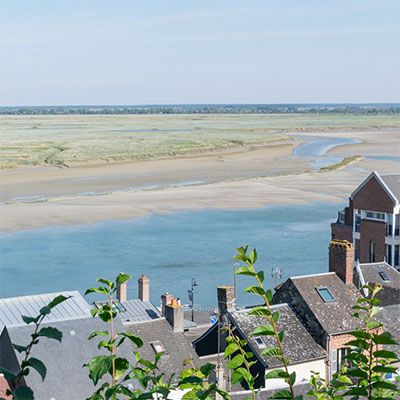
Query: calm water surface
170,249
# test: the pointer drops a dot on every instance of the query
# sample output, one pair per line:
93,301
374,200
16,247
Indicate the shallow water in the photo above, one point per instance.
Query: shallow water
318,148
170,249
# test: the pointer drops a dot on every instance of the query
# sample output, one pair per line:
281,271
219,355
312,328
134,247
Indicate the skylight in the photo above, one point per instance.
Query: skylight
158,347
384,276
260,343
325,294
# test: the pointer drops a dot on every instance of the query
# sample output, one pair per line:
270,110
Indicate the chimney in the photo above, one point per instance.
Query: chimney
174,315
226,298
144,288
166,298
122,291
341,260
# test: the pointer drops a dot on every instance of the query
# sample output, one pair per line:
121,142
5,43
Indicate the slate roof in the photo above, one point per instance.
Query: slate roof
64,360
298,344
11,309
370,274
392,181
335,316
390,316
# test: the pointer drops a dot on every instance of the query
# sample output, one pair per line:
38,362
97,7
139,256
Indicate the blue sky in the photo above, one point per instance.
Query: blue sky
163,52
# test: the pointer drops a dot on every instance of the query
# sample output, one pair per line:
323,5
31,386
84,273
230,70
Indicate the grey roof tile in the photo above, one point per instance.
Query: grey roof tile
392,181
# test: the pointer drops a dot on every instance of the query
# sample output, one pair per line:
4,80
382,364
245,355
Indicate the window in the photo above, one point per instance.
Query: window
157,347
341,357
396,255
375,215
260,343
117,306
341,217
384,276
372,251
325,294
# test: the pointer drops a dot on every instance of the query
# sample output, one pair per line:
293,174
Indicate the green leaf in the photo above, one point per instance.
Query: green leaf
260,311
28,320
275,316
100,289
121,365
237,376
122,278
38,366
57,300
281,394
133,338
357,373
384,338
384,385
384,369
277,374
281,336
255,290
23,393
344,379
50,333
20,348
269,294
97,333
98,366
10,376
236,361
260,275
263,330
245,271
390,355
272,352
207,368
357,391
230,349
253,256
107,282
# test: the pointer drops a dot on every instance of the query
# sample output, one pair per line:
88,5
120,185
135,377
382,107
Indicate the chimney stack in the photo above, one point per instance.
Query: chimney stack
166,299
144,288
341,260
226,298
174,315
122,291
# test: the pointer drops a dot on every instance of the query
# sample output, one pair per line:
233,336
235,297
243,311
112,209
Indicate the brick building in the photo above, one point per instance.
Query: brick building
372,221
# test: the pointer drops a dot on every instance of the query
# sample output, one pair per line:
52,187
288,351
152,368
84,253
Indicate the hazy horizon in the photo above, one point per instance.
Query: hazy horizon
178,52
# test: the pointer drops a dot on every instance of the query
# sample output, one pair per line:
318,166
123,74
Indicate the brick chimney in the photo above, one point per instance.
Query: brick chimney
174,315
225,298
122,291
144,288
166,299
341,260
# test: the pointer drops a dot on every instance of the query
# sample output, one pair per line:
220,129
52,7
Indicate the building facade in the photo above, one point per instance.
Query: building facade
372,220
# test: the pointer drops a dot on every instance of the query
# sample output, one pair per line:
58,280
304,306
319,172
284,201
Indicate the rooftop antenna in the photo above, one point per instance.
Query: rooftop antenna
191,296
276,275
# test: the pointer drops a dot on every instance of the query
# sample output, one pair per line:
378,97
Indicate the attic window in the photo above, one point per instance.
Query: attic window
157,347
384,276
117,306
260,343
325,294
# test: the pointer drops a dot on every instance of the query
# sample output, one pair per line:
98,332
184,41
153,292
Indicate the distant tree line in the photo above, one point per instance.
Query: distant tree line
361,109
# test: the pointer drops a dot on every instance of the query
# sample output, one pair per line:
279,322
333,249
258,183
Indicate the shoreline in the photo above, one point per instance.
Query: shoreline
259,177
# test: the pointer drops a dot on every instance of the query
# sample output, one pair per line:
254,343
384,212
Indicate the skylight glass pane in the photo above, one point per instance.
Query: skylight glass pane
384,276
325,294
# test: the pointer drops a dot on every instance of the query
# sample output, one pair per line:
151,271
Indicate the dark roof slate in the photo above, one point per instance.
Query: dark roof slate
390,316
335,316
298,344
370,274
392,181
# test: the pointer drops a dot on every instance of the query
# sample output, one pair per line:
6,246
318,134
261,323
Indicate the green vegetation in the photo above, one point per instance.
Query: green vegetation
363,376
341,164
69,139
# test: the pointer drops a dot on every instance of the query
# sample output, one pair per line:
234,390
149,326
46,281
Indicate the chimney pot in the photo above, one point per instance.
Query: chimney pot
166,299
226,298
174,315
144,288
341,260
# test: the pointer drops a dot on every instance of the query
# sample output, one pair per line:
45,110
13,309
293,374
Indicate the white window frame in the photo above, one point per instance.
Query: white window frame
374,215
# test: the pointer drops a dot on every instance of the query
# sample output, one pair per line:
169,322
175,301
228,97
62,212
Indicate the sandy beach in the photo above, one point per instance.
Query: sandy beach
256,177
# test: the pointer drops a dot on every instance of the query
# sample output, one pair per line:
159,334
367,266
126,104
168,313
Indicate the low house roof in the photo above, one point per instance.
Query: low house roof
389,316
334,316
384,274
12,309
66,379
298,344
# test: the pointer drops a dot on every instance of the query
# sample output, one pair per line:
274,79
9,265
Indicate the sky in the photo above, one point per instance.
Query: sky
59,52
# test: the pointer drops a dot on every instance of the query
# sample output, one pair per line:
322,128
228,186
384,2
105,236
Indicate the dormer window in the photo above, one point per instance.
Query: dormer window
260,343
384,276
325,294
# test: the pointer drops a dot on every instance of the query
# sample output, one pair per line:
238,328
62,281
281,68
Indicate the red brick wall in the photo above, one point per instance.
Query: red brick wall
341,232
373,197
341,260
339,341
372,231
